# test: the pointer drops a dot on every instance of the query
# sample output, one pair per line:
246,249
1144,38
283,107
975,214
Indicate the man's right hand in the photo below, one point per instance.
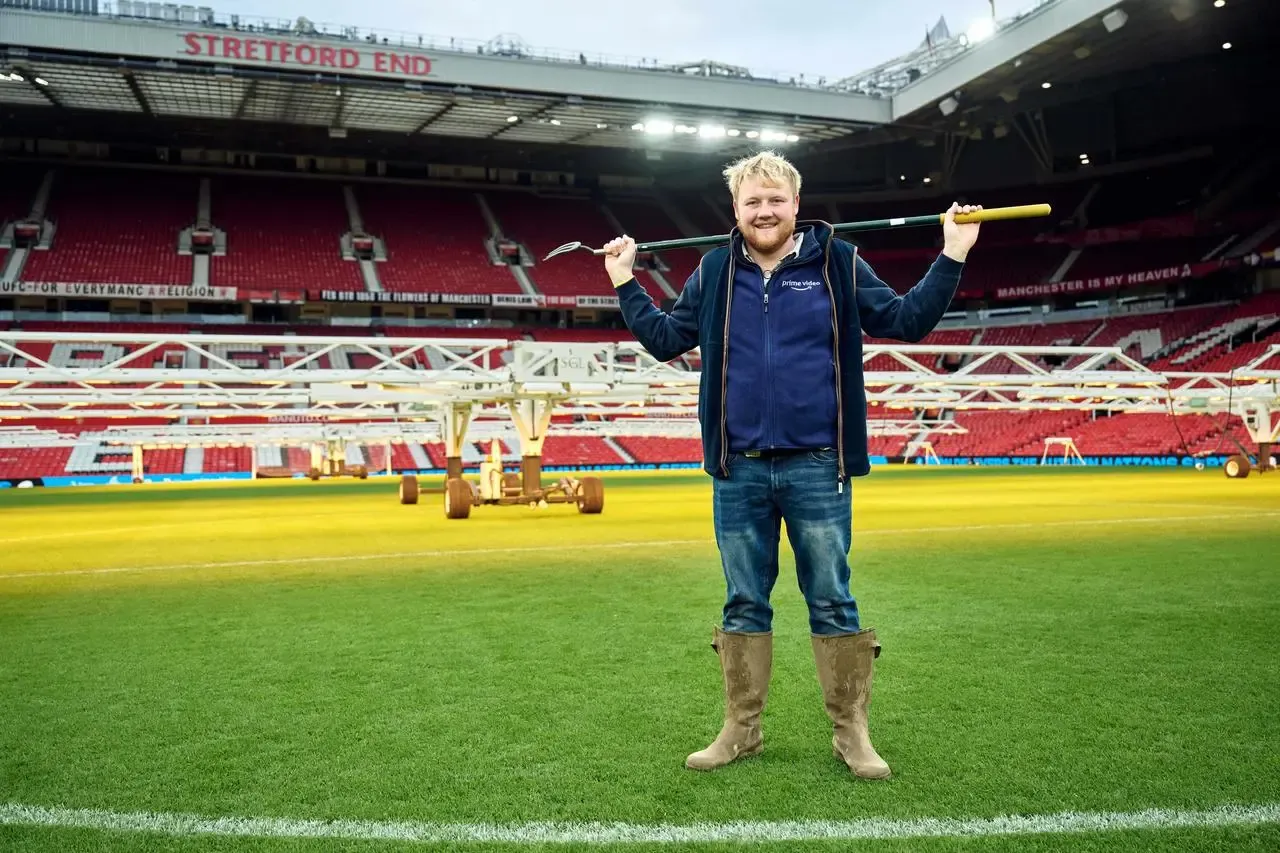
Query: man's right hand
619,258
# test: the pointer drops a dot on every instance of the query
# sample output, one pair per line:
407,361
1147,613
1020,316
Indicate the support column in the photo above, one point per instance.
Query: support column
1257,419
1031,127
138,470
337,455
456,420
953,146
531,417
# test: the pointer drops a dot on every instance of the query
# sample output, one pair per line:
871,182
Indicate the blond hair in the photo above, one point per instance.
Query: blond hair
768,166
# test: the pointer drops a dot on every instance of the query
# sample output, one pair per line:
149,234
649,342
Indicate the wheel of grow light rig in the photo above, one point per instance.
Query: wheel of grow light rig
360,472
591,496
313,474
408,489
457,498
1237,467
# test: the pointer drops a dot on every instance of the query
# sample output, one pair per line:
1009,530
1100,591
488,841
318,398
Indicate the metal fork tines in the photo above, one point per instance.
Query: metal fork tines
569,247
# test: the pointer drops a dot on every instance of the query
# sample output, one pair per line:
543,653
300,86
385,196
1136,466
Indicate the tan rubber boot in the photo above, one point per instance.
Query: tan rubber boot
845,666
746,661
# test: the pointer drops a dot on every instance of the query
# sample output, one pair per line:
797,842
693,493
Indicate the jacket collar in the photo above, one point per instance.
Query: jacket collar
800,245
811,238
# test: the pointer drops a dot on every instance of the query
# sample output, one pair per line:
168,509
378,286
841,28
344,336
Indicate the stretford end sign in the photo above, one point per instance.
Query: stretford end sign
297,55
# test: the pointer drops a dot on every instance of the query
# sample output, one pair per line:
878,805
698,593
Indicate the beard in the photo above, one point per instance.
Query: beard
770,241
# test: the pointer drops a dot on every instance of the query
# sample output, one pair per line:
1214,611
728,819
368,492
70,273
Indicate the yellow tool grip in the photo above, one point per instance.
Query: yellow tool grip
992,214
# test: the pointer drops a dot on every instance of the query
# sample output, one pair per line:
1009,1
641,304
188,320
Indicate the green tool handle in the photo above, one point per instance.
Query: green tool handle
993,214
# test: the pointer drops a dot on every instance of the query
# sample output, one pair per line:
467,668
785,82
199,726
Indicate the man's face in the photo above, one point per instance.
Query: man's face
766,214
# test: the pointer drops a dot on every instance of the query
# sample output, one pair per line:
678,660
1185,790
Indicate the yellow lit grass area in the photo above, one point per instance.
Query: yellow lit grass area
1054,640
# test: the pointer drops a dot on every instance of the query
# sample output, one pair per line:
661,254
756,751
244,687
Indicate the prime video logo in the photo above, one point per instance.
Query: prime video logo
801,285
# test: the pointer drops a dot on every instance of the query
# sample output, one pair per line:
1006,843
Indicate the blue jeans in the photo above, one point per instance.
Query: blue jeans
750,506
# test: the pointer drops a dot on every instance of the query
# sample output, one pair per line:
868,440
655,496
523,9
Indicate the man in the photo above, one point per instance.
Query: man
779,315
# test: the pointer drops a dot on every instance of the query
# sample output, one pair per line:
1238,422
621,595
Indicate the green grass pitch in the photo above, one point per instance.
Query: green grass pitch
307,653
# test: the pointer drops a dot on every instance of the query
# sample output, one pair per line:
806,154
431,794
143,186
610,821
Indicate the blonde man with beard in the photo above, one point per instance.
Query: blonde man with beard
778,315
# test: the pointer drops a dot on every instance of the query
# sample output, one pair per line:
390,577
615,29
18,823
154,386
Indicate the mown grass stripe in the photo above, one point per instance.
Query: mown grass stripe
657,543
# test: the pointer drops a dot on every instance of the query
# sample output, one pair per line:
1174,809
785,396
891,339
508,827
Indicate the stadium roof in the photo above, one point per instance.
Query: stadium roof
198,92
192,64
1069,52
1067,44
205,68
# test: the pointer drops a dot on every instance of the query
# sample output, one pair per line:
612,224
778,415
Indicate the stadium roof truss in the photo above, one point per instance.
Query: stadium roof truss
172,89
1021,48
311,434
1073,45
362,381
307,434
136,65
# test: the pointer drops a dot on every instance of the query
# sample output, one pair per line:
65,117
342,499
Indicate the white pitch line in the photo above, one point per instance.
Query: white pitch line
90,532
349,558
1071,522
604,546
1182,505
86,532
595,832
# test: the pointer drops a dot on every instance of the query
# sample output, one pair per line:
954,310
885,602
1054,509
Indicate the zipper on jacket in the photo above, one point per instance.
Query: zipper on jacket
769,436
724,360
835,351
724,370
768,351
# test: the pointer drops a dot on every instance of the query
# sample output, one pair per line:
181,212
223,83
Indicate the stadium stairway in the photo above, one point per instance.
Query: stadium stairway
270,456
542,222
613,445
419,454
1227,325
368,268
24,195
1258,240
435,240
518,271
654,274
355,454
281,234
659,449
93,457
653,220
136,244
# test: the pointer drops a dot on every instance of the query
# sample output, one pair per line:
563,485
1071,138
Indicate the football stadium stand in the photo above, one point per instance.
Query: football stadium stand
428,207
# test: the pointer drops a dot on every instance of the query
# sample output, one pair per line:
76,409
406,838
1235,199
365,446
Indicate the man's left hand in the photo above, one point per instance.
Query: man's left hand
958,239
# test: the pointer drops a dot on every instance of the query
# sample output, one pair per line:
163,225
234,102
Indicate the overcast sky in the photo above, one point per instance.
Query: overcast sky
831,38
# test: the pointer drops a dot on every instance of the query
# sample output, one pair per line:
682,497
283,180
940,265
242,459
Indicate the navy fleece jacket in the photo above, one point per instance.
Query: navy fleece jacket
786,373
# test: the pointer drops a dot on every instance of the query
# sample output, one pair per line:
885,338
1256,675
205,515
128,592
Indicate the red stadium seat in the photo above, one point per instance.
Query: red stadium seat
116,227
542,223
434,240
282,235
